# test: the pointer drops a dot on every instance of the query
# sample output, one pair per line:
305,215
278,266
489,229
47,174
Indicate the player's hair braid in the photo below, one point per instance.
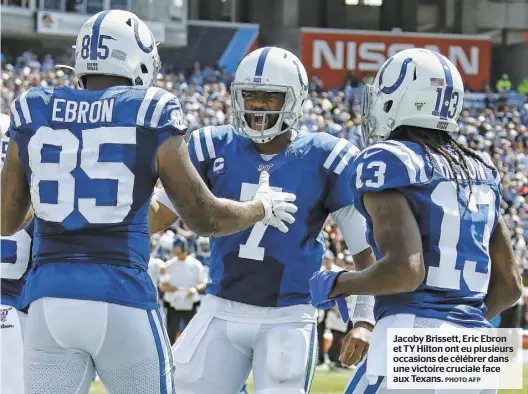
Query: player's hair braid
427,151
465,151
437,141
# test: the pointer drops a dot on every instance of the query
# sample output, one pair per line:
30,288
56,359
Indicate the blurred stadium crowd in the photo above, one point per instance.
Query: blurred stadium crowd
496,123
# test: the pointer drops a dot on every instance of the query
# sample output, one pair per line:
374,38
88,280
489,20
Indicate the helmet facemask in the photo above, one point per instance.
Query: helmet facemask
379,112
273,123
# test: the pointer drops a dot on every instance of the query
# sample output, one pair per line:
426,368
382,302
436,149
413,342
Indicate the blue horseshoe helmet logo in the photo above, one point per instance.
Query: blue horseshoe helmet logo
138,40
401,77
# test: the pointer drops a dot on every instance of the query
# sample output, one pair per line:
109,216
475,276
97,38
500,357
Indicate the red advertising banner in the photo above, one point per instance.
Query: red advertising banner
331,54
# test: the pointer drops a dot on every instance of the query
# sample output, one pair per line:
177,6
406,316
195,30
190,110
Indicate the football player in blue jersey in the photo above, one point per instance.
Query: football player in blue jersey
15,263
432,209
257,311
87,161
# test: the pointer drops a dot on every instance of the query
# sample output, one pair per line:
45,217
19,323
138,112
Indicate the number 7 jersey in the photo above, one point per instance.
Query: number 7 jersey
89,159
262,266
455,227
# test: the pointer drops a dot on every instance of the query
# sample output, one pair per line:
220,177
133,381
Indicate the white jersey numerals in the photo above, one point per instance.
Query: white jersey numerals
61,173
379,174
21,246
251,249
446,275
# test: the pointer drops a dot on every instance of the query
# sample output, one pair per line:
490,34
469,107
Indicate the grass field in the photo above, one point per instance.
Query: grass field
334,383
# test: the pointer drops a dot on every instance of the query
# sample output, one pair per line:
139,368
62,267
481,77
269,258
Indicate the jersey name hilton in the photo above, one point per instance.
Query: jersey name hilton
70,111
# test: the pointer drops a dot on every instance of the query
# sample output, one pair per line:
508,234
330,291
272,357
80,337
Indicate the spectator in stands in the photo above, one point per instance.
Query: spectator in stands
523,86
316,85
504,84
47,63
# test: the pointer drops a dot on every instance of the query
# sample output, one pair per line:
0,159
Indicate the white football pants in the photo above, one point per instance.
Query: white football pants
67,340
11,350
215,355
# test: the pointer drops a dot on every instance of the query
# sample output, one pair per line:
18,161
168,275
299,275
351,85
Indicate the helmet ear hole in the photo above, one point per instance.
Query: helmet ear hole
129,22
144,68
387,106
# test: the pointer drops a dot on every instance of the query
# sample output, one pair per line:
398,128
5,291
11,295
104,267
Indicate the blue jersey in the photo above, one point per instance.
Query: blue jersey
89,158
455,232
260,265
16,262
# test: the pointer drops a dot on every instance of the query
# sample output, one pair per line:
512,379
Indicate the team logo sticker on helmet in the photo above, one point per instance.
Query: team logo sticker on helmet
143,47
401,77
304,86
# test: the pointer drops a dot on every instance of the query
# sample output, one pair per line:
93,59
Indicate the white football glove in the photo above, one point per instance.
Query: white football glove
276,204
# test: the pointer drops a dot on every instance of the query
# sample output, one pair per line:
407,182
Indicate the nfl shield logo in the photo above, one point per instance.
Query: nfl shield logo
3,314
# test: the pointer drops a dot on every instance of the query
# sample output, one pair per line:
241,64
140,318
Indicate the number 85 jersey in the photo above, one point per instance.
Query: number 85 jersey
89,159
455,226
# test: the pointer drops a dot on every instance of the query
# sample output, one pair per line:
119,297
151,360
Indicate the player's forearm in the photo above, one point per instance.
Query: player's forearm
387,276
498,300
15,197
500,296
13,215
505,286
207,216
225,217
160,217
201,211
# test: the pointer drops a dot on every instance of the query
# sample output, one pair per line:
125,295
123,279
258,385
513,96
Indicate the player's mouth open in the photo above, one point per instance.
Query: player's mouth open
257,122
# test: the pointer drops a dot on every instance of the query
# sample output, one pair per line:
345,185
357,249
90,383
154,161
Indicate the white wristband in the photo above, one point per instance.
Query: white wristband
363,309
160,195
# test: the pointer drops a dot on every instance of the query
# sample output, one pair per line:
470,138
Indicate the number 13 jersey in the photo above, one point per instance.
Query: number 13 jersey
89,158
262,266
455,226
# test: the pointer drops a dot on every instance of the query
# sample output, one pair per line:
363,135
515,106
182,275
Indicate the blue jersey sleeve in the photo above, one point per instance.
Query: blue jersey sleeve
202,150
161,111
384,166
339,164
21,114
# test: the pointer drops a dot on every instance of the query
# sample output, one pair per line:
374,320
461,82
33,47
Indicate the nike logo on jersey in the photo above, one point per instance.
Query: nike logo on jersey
264,167
366,155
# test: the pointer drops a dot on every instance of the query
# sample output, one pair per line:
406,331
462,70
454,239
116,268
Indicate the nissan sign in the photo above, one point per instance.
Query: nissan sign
332,54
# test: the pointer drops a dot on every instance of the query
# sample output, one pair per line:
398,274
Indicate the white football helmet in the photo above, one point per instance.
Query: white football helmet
4,139
269,69
415,87
117,43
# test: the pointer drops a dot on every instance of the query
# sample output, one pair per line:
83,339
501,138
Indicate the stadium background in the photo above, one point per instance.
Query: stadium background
342,43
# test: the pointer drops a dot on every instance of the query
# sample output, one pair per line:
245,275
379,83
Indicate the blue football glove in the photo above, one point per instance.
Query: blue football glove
321,284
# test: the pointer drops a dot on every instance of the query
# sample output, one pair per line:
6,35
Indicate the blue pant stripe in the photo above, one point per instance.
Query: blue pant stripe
310,363
373,389
357,378
161,357
167,344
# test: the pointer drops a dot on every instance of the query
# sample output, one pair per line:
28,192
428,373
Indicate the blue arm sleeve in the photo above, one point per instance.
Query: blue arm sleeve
171,120
384,166
196,153
340,194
